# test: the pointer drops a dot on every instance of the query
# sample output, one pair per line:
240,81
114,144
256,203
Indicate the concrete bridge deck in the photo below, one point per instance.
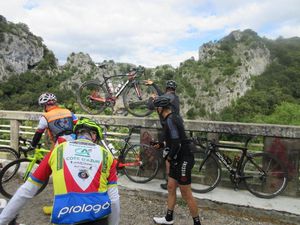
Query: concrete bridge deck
285,209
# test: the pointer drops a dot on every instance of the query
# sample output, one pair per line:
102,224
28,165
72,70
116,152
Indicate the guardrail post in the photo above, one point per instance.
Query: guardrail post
14,134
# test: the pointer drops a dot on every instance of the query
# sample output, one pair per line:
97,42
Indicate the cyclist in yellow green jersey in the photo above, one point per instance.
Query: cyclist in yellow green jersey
84,180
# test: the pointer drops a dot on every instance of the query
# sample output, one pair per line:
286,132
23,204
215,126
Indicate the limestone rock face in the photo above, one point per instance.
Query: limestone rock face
20,50
250,57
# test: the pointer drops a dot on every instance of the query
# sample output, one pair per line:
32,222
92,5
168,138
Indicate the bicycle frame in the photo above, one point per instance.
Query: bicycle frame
127,145
213,149
39,154
113,97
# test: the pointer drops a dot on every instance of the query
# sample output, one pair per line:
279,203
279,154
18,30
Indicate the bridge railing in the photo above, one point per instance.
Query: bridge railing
284,141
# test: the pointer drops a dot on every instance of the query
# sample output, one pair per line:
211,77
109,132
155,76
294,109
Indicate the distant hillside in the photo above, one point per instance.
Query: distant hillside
275,95
241,77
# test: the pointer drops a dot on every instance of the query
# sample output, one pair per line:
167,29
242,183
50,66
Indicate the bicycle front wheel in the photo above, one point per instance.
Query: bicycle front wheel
264,175
7,155
141,163
136,98
92,97
206,174
9,187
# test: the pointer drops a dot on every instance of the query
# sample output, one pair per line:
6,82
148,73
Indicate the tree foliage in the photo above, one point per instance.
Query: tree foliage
276,88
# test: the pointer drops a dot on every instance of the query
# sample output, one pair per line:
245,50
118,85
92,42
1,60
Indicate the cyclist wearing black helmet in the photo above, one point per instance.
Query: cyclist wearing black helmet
169,93
178,153
84,180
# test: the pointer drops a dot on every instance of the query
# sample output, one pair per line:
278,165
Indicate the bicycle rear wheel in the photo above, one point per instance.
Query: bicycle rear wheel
141,163
91,97
7,155
135,105
206,174
264,175
9,187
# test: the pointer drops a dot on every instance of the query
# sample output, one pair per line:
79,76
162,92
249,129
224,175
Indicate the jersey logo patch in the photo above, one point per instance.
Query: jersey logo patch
83,161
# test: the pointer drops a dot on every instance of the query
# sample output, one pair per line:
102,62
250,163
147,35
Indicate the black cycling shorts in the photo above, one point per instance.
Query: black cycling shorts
182,171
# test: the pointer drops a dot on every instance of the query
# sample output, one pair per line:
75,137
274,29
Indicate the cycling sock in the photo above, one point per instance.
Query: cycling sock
196,220
169,216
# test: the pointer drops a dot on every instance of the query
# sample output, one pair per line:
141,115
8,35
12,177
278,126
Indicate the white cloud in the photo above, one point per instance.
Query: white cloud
147,32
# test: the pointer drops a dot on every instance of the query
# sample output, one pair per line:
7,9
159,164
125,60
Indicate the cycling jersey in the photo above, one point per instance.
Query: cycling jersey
175,137
82,174
182,160
59,123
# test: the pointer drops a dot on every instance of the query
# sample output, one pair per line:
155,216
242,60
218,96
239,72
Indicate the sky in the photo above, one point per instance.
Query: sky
148,32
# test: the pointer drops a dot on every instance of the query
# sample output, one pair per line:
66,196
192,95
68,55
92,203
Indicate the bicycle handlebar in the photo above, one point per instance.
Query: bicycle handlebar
26,143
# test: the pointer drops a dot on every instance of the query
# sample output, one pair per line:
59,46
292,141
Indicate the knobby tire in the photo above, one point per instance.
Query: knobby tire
8,188
95,89
8,155
134,105
149,167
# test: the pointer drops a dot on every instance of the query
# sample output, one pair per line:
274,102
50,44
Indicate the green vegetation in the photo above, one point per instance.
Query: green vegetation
274,97
21,92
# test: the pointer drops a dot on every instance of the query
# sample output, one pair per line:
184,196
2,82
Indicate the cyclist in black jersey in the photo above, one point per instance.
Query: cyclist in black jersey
170,93
178,153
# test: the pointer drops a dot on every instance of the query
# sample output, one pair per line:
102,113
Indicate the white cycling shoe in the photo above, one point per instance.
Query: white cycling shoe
162,220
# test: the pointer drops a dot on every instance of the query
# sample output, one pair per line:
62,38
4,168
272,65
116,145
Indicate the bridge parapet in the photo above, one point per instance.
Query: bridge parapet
281,140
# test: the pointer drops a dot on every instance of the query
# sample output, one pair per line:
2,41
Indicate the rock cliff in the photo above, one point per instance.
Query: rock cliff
20,50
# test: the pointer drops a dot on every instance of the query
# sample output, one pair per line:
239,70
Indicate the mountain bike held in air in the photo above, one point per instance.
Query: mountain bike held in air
263,174
95,96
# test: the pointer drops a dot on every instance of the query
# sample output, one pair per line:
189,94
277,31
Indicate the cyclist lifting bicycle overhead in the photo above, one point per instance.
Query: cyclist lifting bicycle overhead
178,153
84,180
58,121
170,93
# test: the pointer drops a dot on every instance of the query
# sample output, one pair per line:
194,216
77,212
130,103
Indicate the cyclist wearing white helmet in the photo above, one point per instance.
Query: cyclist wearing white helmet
174,99
58,121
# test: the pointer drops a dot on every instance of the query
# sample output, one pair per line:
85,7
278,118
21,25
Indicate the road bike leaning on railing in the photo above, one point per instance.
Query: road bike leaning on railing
95,96
15,173
263,174
139,162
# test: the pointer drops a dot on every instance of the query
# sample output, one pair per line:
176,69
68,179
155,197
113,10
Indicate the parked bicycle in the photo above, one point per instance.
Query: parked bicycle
139,162
15,173
95,96
9,154
263,174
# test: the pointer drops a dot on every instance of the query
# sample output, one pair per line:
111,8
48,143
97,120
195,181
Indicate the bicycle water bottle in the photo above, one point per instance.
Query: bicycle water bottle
110,87
112,148
118,88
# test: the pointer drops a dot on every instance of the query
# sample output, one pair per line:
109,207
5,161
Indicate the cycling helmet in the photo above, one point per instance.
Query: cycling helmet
86,123
162,101
171,84
47,98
